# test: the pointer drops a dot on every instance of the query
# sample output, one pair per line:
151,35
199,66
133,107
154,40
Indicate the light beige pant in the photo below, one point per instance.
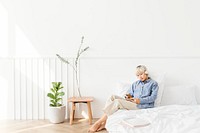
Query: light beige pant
115,103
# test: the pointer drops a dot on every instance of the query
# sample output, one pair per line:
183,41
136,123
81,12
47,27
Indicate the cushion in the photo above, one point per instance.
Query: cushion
122,88
160,78
182,95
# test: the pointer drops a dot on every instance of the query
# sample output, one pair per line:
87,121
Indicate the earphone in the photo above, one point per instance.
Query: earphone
146,72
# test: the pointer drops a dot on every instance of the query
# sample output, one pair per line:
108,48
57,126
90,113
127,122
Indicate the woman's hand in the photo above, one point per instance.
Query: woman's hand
128,96
129,99
134,100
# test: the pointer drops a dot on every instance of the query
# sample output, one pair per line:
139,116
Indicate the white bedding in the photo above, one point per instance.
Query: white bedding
164,119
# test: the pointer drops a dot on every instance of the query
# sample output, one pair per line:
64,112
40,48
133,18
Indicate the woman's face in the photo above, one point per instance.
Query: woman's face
142,77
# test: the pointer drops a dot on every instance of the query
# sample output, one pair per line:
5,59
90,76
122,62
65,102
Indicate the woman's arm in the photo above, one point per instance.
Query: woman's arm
150,99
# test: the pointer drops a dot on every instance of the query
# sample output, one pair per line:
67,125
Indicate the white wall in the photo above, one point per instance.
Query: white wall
111,27
121,35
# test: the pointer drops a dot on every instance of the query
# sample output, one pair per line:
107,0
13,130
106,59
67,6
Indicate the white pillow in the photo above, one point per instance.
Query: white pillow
197,93
182,95
160,80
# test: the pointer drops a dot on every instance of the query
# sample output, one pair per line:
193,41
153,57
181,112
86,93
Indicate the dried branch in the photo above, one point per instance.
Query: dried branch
75,65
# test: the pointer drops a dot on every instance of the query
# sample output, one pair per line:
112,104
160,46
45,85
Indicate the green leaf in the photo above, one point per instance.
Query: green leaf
55,86
53,102
60,88
52,105
61,93
51,95
58,105
52,90
59,83
58,99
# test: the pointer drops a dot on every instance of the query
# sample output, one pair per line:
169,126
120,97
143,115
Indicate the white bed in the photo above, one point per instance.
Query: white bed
177,111
163,119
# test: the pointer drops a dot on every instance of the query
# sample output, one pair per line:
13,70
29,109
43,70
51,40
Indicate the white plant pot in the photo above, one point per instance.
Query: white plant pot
57,114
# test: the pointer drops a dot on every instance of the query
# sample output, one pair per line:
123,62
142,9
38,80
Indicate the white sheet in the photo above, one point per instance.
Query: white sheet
164,119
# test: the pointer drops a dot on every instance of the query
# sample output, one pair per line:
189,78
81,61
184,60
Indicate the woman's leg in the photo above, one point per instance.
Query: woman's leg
113,104
111,99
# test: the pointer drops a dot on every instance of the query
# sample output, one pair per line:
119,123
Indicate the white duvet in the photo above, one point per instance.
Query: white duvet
164,119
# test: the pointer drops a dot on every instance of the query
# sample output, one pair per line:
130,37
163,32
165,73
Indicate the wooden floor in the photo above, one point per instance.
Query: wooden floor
44,126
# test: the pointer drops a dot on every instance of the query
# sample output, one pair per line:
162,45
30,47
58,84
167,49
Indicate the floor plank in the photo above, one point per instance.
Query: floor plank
44,126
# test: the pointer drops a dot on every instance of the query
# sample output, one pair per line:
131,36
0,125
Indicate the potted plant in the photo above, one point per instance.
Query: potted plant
56,109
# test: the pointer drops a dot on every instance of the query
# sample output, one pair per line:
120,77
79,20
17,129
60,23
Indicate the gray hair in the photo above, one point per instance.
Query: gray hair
141,69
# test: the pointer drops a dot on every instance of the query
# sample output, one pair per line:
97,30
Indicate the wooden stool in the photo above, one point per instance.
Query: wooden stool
75,100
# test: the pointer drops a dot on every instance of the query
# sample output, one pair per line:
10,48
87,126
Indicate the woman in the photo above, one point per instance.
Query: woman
142,95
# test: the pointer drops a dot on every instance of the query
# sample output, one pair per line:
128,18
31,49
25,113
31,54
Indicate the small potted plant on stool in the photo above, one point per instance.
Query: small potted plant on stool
57,109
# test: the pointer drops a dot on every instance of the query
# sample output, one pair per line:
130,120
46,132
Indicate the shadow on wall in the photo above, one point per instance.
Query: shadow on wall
16,42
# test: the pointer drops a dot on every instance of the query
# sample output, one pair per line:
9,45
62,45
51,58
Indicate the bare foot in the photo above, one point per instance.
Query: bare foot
98,125
102,126
94,127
